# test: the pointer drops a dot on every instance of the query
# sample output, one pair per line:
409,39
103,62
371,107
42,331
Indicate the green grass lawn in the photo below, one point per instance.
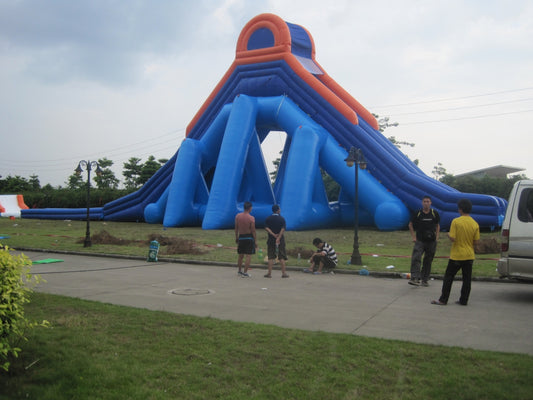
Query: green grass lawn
101,351
379,249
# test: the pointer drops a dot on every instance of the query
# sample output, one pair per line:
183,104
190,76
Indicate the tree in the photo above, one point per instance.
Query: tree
400,143
132,172
438,171
34,182
274,174
500,187
383,122
76,181
107,179
331,186
14,184
148,169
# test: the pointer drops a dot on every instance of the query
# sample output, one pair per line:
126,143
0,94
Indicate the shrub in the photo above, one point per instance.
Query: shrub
16,284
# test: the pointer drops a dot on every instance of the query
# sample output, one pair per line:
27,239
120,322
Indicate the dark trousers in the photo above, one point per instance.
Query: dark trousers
428,250
451,270
328,264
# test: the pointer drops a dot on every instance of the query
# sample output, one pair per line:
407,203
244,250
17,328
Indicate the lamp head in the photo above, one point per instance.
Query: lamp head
355,156
352,157
99,171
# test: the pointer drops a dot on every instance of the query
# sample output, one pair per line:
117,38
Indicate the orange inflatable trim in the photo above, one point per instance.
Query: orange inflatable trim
323,84
20,202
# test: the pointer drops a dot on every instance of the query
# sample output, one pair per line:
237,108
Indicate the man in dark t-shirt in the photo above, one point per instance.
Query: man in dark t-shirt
425,228
275,226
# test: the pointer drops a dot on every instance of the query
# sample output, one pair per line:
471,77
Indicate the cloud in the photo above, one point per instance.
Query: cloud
97,41
87,79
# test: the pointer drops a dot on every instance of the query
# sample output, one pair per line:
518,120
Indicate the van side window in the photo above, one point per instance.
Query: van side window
525,206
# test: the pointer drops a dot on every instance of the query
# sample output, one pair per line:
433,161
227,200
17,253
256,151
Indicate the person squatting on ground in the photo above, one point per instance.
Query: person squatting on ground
464,234
275,226
325,257
425,228
245,238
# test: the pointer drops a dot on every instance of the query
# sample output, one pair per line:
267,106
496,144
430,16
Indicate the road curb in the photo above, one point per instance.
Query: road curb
340,271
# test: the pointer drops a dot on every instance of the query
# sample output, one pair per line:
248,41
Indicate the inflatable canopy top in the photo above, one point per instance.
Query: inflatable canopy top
267,38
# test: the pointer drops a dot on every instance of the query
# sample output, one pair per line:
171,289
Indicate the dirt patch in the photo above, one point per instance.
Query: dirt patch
104,237
488,246
177,245
168,245
304,253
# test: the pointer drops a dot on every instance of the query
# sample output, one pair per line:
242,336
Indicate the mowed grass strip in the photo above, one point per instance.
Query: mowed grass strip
101,351
381,250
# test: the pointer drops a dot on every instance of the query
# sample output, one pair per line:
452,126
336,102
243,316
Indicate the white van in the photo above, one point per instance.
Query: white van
516,260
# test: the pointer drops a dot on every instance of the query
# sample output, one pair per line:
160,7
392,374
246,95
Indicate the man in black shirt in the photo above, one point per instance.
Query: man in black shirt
275,226
425,228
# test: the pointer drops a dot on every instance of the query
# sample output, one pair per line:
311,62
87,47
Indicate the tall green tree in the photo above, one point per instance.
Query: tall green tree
76,181
107,180
438,171
148,169
34,182
132,171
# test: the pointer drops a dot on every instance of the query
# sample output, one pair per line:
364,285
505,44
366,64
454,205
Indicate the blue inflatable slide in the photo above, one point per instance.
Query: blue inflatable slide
276,84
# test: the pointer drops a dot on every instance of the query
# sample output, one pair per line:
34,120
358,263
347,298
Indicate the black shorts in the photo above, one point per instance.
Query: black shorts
246,244
280,254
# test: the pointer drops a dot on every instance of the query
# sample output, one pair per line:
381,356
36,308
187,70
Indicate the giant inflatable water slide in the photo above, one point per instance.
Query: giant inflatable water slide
276,84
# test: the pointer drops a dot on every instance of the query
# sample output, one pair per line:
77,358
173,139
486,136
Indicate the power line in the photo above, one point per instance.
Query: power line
463,118
464,107
453,98
111,151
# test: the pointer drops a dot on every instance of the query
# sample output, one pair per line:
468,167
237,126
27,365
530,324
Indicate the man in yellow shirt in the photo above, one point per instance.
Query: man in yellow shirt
464,234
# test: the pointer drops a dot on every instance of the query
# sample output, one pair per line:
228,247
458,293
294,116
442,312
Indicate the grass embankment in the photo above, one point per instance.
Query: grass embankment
102,351
379,249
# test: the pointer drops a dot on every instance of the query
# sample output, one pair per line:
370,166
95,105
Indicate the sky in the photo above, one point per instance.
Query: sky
84,80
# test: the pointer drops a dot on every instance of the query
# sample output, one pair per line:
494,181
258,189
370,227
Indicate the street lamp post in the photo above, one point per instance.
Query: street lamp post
88,165
356,157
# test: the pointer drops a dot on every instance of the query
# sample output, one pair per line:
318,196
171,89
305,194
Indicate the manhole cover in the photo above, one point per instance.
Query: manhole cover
190,291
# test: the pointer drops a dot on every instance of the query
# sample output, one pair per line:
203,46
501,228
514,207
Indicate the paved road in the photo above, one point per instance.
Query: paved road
498,318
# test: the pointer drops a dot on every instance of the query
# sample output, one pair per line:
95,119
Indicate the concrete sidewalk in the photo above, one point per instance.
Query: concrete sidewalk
498,317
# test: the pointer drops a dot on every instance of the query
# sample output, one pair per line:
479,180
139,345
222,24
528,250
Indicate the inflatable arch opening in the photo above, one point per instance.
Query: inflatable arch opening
240,173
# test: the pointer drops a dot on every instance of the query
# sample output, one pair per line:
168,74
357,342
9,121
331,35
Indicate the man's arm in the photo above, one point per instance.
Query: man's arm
412,230
252,228
280,235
